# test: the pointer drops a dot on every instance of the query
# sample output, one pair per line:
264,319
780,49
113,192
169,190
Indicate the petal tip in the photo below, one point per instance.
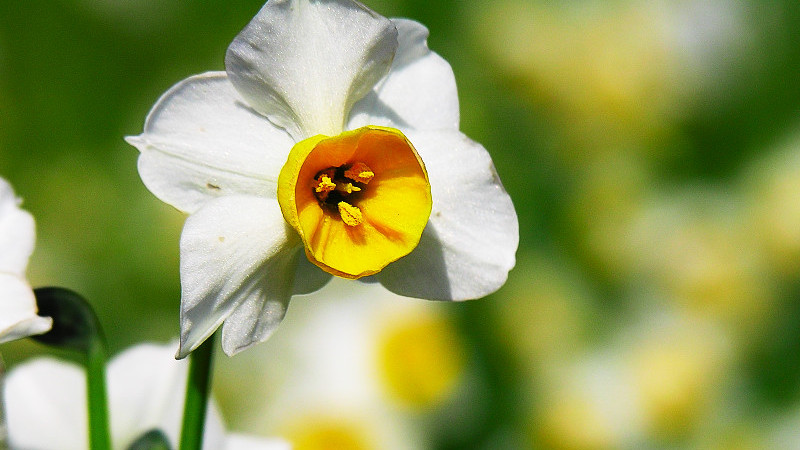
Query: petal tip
136,141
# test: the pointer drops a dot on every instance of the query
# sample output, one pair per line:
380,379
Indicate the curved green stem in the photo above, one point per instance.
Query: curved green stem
198,387
75,327
99,435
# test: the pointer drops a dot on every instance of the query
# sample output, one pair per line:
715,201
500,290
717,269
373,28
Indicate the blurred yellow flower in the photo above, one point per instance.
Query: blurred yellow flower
420,358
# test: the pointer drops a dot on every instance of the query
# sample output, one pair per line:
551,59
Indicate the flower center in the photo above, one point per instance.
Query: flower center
359,200
339,187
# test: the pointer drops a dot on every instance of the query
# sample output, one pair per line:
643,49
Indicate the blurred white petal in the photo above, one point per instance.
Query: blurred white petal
45,401
18,317
17,232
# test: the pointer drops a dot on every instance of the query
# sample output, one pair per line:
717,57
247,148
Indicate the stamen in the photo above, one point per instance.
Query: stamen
334,185
350,214
359,172
324,186
347,188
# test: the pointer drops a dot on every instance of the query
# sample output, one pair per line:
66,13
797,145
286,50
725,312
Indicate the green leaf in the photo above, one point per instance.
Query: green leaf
75,325
152,440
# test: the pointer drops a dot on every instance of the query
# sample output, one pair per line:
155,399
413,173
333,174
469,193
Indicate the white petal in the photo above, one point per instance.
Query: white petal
146,390
419,91
201,141
469,244
236,252
245,442
17,232
45,400
18,317
45,405
305,63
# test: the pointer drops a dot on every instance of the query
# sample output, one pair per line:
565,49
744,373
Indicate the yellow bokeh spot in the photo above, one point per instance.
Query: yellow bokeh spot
359,200
420,360
575,423
328,433
677,378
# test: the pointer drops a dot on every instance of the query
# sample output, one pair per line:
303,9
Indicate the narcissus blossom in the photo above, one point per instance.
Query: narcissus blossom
331,138
45,403
18,317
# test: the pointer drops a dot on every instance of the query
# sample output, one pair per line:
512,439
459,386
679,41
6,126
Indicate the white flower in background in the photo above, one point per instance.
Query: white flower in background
360,368
18,317
664,378
333,130
45,403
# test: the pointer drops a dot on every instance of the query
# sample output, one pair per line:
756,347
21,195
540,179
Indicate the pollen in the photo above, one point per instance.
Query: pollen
359,172
350,214
340,185
324,184
347,188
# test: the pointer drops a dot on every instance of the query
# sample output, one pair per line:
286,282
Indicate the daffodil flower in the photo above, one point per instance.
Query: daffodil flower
45,403
18,317
331,138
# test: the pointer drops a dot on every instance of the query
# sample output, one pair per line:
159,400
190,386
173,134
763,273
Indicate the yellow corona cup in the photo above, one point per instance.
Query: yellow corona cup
359,200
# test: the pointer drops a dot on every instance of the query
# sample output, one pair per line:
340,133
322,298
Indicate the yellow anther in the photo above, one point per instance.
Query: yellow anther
350,214
325,184
347,188
359,172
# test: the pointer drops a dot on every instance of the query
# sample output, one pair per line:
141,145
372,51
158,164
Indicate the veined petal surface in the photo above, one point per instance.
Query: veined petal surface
470,241
17,232
304,63
238,261
18,317
201,141
419,91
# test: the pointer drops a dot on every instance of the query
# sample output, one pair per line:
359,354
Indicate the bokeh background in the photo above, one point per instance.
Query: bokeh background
652,150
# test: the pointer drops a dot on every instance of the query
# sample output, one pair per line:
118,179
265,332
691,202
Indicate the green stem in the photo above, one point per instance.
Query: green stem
198,387
99,436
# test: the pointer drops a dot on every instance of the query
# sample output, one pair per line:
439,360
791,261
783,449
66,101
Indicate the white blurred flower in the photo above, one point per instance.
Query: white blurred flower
589,403
45,403
772,188
694,249
334,130
617,76
18,317
358,370
662,379
681,368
